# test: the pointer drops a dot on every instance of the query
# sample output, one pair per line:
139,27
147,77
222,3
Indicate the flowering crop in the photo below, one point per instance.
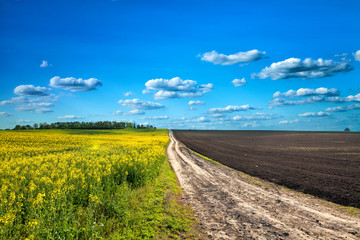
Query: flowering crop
69,183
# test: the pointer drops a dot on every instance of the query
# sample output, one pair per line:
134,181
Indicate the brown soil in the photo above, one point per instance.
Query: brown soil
233,205
323,164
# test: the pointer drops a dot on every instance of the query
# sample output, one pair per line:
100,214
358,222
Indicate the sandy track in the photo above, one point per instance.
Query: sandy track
230,205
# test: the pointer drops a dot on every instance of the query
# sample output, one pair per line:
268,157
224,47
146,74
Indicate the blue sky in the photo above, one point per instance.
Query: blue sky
287,65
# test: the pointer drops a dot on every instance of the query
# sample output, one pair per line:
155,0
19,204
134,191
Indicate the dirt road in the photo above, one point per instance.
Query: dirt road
232,205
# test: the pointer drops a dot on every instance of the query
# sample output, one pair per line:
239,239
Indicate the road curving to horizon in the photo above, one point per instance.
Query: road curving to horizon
232,205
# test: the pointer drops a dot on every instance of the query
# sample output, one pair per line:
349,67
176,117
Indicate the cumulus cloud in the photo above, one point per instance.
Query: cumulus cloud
176,88
197,102
302,92
306,69
239,82
316,96
283,122
352,98
174,84
206,87
75,84
5,114
70,117
44,64
128,94
357,55
256,116
315,114
31,90
343,108
230,109
139,104
240,57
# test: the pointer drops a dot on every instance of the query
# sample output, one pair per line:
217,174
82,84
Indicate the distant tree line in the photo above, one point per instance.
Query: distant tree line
83,125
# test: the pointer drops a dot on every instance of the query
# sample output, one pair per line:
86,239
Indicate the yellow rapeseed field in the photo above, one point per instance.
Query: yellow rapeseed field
64,184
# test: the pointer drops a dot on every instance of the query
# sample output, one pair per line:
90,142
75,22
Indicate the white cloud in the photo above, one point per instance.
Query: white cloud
135,112
315,114
23,121
70,117
128,94
132,112
251,124
239,82
5,114
176,88
42,107
174,84
240,57
118,113
343,108
256,116
31,90
170,94
302,92
21,99
139,104
197,102
192,108
352,98
206,87
283,122
75,84
357,55
341,55
306,69
44,64
217,115
14,100
329,95
157,118
195,120
230,109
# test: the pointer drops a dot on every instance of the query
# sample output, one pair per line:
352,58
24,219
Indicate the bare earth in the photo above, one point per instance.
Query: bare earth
233,205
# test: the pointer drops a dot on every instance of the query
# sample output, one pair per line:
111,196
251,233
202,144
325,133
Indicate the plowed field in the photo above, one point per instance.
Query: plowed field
324,164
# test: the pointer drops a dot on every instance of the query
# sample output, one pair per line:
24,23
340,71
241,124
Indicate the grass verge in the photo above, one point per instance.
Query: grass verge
155,211
202,156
